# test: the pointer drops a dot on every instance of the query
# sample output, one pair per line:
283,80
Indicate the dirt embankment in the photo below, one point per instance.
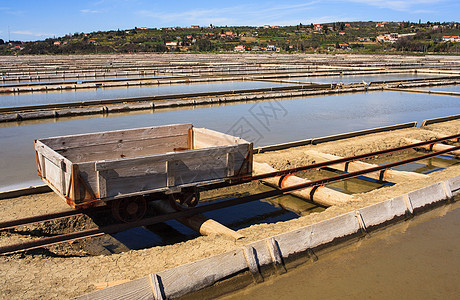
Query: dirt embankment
65,272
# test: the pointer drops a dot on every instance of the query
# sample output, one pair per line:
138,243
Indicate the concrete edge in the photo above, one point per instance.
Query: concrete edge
147,103
335,137
282,146
194,276
363,132
39,189
45,188
439,120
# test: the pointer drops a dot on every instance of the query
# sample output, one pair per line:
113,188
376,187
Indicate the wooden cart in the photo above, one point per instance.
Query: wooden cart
121,167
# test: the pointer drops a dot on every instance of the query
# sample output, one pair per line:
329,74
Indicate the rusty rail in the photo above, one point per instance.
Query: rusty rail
240,200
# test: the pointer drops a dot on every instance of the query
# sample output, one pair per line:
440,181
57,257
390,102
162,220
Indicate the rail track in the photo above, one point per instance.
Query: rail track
110,229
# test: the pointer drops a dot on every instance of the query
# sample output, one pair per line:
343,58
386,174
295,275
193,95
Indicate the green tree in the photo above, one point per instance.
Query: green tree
204,45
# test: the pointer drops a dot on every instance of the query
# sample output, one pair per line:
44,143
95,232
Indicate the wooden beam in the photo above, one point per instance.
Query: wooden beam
434,147
388,175
199,222
321,195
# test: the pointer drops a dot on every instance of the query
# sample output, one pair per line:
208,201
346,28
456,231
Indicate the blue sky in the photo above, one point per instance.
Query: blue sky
39,19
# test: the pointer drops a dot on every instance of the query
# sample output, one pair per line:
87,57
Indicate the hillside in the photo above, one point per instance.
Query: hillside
356,37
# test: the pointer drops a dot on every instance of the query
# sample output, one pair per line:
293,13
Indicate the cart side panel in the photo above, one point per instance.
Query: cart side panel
87,183
98,138
171,170
122,149
53,168
135,179
204,138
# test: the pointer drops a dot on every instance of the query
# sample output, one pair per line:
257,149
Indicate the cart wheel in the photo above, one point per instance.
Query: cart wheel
129,209
186,198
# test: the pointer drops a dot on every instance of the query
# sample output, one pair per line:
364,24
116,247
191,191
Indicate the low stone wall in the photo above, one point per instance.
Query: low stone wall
273,251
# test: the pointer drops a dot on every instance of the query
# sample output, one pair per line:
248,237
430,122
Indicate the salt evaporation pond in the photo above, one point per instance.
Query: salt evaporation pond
264,123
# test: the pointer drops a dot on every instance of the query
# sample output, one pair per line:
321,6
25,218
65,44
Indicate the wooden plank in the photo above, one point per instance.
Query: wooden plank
143,178
194,276
53,174
170,176
127,162
39,189
102,183
251,260
63,177
92,139
89,177
191,139
104,285
204,138
434,147
42,166
138,289
126,149
230,164
276,255
155,281
362,132
388,175
173,173
222,137
439,120
75,194
49,153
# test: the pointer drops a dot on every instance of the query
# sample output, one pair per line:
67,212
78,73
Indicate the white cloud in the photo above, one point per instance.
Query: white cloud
249,14
89,11
31,33
9,11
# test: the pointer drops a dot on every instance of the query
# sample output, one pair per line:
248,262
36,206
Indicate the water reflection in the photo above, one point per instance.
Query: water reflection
346,79
65,96
306,117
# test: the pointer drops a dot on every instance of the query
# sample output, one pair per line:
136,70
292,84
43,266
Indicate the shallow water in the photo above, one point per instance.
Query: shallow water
67,96
263,123
447,88
416,259
170,232
73,78
346,79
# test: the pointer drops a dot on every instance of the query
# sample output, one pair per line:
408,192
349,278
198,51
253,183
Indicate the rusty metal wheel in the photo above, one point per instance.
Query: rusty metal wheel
186,198
129,209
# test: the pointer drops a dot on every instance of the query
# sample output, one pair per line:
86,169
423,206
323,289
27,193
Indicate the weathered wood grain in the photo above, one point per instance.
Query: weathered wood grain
108,137
109,165
126,149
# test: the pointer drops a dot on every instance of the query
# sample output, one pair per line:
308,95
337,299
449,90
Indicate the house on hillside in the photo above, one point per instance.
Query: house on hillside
239,48
173,44
453,39
345,47
271,48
